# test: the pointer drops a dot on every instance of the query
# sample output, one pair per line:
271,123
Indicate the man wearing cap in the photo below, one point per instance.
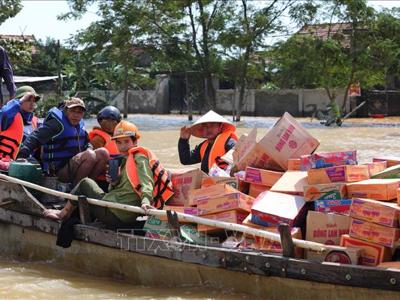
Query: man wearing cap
65,144
6,73
17,121
220,138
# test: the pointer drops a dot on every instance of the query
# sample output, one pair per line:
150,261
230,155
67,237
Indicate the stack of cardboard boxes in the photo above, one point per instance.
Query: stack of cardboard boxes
325,197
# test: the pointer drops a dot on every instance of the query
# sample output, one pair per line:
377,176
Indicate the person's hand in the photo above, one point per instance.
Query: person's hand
27,97
185,132
110,181
146,207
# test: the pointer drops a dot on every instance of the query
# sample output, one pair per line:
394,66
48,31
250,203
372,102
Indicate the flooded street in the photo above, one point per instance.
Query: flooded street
42,280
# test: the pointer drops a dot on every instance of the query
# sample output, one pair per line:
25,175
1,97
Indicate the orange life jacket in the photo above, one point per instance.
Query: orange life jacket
11,138
110,145
217,149
162,178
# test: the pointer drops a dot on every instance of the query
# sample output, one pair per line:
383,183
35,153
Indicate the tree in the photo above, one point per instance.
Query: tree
116,38
9,9
248,30
338,58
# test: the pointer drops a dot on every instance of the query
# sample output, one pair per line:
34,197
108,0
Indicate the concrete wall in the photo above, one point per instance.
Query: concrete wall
258,102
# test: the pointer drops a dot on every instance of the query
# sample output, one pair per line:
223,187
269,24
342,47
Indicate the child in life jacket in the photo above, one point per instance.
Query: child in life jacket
141,181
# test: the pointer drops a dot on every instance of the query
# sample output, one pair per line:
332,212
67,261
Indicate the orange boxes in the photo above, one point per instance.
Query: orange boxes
377,189
367,231
211,191
184,181
292,182
329,191
231,216
287,139
263,177
348,173
390,160
294,164
257,189
208,181
382,213
232,201
274,208
376,167
372,254
326,228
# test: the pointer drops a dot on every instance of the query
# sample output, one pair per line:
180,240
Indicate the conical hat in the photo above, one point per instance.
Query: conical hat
210,117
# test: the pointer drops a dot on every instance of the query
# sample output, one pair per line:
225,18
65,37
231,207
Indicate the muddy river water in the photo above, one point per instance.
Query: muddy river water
43,280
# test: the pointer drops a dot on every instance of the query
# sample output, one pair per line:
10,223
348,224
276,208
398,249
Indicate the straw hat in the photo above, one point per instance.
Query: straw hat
210,117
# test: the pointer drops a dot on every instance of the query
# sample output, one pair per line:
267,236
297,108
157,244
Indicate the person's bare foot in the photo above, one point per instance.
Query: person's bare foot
54,214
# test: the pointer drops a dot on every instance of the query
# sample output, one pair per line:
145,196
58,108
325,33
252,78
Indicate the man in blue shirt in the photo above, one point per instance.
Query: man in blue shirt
6,73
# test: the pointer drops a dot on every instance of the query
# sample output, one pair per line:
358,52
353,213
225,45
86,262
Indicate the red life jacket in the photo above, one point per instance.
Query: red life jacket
110,144
217,149
162,178
11,138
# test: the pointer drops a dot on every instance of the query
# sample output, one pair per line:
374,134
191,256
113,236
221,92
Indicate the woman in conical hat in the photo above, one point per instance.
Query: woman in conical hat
220,138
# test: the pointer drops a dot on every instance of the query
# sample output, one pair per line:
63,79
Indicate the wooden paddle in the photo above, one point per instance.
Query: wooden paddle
189,218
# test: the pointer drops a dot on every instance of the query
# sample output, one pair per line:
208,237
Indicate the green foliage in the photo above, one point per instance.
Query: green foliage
9,9
19,52
45,105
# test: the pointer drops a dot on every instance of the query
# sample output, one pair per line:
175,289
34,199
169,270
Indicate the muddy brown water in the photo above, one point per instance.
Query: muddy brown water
43,280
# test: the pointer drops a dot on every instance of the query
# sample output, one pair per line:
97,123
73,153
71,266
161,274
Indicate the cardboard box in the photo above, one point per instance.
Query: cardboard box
372,254
258,221
389,173
233,201
390,160
377,189
347,173
291,182
179,209
157,229
376,167
208,181
212,191
346,256
383,213
261,176
249,153
274,208
287,139
256,189
294,164
326,228
329,191
184,181
230,216
328,159
371,232
341,206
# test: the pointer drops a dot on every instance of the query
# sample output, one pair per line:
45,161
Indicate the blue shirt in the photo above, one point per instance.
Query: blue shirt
6,73
8,112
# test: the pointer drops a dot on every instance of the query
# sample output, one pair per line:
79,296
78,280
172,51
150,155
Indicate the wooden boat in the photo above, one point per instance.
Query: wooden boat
139,260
